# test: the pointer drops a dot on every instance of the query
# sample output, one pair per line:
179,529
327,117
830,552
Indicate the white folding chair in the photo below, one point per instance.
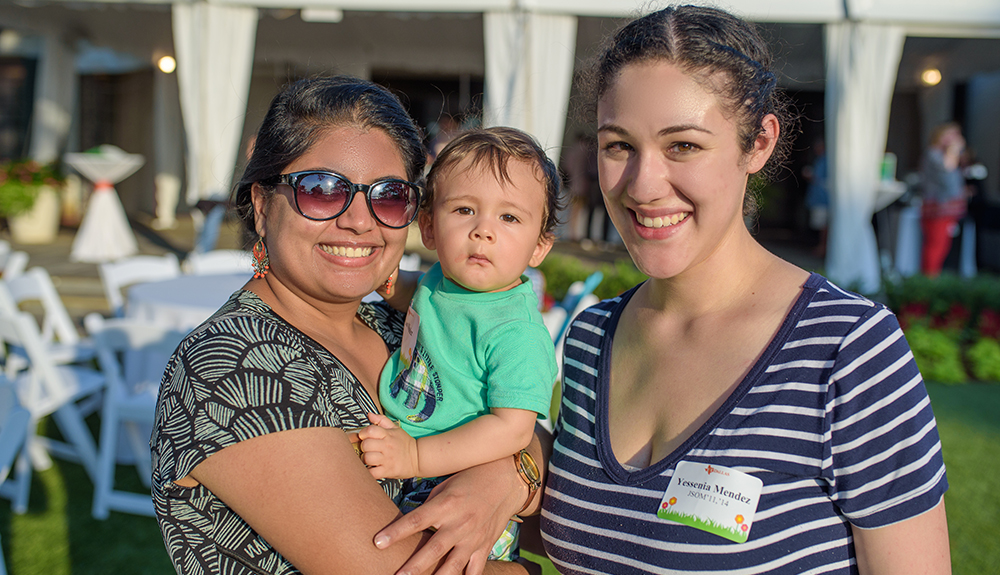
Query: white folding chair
13,264
119,274
129,404
219,262
45,388
59,334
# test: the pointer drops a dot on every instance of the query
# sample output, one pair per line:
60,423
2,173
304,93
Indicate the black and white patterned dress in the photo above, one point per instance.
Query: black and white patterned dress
245,373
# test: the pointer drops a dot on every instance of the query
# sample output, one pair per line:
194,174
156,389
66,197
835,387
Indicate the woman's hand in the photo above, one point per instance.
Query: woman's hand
469,511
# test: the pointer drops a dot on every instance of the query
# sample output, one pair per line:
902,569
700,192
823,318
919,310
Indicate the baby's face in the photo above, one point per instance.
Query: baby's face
486,231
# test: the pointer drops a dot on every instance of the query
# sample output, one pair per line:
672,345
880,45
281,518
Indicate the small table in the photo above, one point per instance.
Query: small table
104,234
182,302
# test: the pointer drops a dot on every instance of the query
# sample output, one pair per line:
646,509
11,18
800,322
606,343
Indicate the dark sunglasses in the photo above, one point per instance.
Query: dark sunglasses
322,196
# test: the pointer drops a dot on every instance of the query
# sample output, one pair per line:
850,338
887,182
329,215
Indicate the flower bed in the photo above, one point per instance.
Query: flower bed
951,324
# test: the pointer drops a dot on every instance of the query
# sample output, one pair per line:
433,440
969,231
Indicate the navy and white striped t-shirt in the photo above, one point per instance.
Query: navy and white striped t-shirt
834,419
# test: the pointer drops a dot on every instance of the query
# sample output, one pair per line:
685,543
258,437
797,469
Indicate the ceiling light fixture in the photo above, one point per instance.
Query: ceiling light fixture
167,64
931,77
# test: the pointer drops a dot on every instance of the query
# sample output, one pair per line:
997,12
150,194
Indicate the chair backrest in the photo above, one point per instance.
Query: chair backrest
219,262
132,353
14,264
119,274
47,387
36,285
8,305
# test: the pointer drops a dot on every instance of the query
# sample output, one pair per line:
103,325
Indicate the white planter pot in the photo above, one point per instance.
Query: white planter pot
40,224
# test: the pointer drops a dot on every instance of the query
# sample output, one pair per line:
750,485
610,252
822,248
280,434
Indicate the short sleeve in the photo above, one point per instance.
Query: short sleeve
239,379
521,363
885,455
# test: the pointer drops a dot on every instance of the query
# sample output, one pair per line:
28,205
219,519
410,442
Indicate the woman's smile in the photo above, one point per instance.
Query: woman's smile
661,222
347,251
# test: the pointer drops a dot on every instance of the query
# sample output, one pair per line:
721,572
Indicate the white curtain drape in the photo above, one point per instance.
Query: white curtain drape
55,90
215,48
529,71
861,64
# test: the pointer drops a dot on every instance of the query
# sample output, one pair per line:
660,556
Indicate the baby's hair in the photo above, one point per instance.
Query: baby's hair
494,148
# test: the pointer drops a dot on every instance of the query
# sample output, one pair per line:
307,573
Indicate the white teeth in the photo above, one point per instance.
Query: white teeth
663,222
347,252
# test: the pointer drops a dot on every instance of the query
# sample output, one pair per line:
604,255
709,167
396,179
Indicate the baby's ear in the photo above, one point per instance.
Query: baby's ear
426,222
542,248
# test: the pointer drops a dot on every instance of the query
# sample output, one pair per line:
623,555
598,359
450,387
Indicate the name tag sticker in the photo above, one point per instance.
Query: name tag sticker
410,329
712,498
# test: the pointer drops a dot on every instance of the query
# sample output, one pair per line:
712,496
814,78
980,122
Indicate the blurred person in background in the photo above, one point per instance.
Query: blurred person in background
942,187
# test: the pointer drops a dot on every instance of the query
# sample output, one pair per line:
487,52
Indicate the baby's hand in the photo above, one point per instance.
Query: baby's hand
389,452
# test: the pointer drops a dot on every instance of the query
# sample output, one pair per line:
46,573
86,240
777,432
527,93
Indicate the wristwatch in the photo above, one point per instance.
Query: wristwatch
526,468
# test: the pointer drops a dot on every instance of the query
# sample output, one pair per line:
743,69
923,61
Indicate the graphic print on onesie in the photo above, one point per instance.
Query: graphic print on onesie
418,378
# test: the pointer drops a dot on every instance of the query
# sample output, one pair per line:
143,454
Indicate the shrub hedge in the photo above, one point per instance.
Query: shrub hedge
952,325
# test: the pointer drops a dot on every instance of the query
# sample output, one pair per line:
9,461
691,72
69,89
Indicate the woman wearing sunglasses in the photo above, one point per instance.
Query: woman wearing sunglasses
253,472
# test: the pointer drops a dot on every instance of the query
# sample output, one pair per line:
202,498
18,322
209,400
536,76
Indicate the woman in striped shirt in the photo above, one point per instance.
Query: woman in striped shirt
733,414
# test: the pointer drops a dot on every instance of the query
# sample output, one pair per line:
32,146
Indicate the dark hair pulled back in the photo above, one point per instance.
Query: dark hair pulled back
299,116
724,53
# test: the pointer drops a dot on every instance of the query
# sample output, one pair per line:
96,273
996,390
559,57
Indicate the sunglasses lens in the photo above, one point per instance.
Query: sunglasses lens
394,203
321,196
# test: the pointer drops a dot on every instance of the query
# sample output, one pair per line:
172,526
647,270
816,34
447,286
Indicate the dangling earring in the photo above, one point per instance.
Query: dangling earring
261,264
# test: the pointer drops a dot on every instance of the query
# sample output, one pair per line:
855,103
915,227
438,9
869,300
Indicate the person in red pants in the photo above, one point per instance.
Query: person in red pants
943,192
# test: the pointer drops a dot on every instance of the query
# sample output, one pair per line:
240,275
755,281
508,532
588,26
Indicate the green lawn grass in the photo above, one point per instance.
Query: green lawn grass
57,536
968,419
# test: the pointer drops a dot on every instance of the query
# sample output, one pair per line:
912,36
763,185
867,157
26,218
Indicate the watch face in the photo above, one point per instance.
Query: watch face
528,467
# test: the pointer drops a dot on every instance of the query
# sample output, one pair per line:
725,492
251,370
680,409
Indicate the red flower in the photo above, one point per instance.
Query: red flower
910,312
547,302
956,318
989,323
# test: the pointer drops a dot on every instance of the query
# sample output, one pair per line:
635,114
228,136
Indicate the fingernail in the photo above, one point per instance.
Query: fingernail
381,541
